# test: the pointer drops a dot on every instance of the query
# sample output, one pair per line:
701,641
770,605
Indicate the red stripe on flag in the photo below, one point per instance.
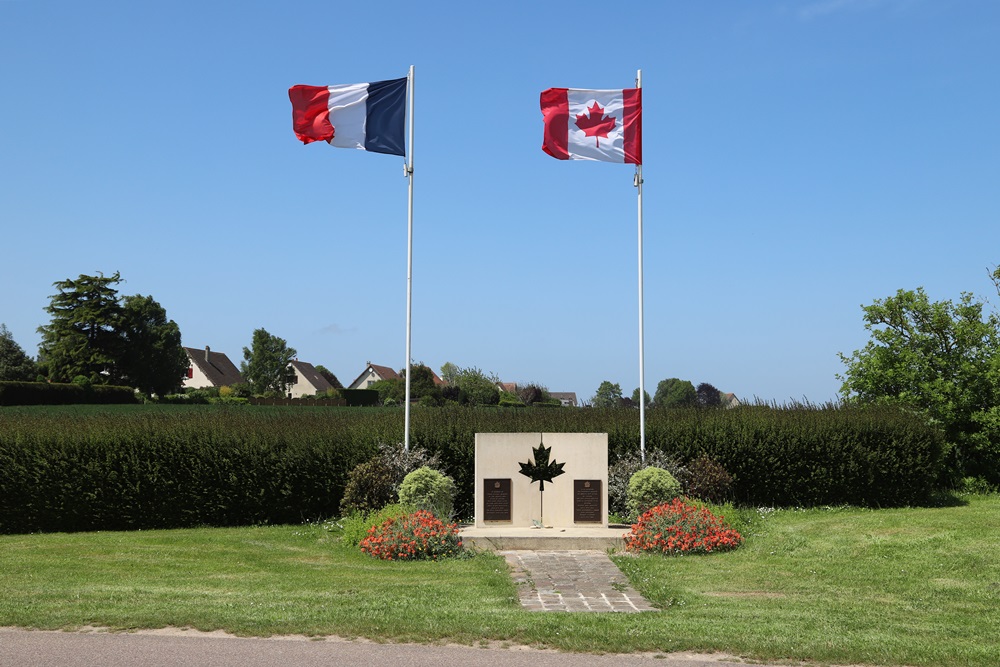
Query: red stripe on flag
555,112
633,125
311,113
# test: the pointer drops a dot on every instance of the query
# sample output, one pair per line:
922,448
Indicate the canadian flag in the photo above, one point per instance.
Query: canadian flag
603,125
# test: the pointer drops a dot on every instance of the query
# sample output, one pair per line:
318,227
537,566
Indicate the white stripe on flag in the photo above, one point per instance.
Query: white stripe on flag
348,113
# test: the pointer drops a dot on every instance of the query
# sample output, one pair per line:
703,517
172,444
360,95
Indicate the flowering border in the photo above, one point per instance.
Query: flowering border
416,536
680,527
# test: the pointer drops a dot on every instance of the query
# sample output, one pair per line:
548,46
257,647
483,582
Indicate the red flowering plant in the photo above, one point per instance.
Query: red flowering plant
416,536
681,527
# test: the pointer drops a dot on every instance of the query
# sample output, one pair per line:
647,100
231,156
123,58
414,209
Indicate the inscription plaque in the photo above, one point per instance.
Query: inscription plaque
496,500
587,501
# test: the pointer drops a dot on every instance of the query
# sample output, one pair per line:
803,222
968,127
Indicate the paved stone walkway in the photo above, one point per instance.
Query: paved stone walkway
572,581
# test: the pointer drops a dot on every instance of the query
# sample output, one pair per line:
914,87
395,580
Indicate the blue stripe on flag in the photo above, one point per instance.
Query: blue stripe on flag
386,122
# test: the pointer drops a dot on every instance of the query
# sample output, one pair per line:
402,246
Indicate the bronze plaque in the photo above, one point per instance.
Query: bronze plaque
496,500
587,501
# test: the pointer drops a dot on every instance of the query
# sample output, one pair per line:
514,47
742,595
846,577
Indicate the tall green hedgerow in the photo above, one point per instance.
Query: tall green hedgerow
149,466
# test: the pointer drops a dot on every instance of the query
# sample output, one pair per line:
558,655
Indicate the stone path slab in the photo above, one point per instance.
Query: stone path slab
572,581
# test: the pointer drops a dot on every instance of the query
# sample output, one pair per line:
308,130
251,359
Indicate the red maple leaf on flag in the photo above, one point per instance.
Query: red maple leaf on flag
596,124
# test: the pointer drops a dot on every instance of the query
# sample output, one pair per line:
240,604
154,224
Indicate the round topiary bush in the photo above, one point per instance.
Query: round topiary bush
628,464
650,487
428,489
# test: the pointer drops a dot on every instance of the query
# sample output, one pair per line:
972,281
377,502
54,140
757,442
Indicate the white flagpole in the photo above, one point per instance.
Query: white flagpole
642,360
408,168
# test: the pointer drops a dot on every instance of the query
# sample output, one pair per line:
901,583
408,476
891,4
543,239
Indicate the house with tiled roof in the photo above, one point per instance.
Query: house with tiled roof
729,400
308,380
372,374
209,369
566,398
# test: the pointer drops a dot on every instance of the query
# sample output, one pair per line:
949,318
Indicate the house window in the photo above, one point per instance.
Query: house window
190,372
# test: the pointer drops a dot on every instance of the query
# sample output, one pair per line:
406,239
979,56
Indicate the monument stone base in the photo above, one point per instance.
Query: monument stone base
576,498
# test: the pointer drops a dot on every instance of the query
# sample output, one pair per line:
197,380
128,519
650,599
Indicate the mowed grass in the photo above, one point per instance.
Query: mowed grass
845,586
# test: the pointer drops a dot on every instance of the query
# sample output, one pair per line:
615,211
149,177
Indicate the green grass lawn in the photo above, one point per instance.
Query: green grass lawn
903,586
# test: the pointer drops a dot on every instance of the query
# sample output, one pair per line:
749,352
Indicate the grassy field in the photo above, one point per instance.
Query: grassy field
846,586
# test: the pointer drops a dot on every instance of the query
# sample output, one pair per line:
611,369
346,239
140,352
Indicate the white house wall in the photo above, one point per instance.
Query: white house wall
198,380
366,381
302,386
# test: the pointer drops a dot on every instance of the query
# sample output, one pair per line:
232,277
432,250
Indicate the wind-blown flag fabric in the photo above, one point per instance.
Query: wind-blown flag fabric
364,116
603,125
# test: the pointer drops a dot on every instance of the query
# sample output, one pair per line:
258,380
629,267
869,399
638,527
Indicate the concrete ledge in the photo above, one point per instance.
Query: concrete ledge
544,539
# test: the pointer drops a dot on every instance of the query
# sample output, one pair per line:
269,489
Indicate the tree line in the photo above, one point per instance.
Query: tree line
670,393
98,336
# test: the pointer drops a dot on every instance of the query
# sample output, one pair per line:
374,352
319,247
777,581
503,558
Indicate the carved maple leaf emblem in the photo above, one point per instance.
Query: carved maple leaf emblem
596,124
541,470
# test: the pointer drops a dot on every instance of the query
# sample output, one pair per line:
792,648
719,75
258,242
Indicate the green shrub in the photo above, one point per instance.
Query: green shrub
707,480
650,487
428,489
241,390
356,525
370,487
510,400
976,486
375,483
620,472
401,462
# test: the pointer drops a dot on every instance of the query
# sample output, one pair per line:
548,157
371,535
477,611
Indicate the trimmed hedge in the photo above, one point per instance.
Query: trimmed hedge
169,467
872,456
52,393
359,397
159,466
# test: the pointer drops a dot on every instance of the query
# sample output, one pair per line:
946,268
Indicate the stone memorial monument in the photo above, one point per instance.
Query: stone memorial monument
541,480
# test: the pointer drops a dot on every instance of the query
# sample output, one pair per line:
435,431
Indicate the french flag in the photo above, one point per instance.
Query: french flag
602,125
363,116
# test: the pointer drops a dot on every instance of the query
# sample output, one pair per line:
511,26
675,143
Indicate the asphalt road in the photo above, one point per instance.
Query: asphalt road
31,648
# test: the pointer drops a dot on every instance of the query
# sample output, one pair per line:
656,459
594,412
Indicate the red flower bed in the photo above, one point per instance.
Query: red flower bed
415,536
679,527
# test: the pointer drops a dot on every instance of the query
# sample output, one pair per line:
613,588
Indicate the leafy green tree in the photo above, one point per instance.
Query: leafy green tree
635,397
708,396
450,373
266,363
675,393
391,391
533,393
941,358
608,395
153,360
329,376
478,387
84,336
422,386
15,364
97,335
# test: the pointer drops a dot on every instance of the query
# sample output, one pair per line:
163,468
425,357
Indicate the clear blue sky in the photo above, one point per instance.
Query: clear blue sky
801,159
